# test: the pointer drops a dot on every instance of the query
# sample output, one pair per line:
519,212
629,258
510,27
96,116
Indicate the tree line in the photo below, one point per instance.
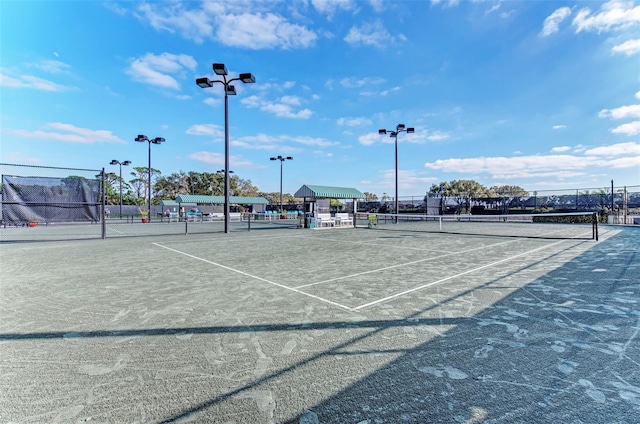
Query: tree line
135,190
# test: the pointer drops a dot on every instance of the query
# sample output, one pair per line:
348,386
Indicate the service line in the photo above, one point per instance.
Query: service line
264,280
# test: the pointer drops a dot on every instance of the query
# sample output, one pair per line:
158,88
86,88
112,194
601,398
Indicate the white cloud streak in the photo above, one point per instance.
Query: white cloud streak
623,112
159,70
552,22
71,134
372,34
613,15
629,47
623,155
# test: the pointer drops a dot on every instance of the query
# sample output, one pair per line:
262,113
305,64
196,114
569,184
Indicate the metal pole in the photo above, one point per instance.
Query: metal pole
226,159
281,162
149,182
396,208
104,201
612,201
120,190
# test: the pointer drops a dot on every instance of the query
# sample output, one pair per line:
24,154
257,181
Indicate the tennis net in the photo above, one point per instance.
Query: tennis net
572,225
262,221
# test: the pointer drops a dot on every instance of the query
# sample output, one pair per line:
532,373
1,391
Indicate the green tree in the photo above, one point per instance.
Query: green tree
140,182
465,192
370,197
507,195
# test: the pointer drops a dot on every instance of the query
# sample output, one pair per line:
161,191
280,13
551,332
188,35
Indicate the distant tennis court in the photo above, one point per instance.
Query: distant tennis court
337,325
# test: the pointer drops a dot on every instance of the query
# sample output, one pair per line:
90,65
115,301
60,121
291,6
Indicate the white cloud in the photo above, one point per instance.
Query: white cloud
559,127
638,95
53,66
156,69
631,111
560,149
629,47
552,22
173,17
227,21
354,122
445,3
282,109
371,34
330,7
613,15
205,129
217,159
263,31
350,82
30,81
619,149
632,128
369,139
71,134
623,155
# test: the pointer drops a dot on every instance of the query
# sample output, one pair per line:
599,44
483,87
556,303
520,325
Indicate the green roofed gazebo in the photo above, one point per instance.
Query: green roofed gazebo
218,200
327,192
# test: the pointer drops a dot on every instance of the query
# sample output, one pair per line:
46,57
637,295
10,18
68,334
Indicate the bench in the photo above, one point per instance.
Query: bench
325,220
215,216
343,220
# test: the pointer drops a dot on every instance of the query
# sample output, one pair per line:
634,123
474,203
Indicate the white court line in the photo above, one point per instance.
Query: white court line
264,280
404,264
393,296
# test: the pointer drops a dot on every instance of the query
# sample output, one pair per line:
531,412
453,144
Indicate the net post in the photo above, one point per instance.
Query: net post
104,201
248,222
595,226
186,226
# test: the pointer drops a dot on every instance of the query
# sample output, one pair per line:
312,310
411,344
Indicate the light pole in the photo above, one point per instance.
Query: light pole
125,163
281,159
158,140
247,78
221,171
399,128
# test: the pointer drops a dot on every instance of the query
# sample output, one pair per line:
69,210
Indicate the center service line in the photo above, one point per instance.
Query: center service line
393,296
256,277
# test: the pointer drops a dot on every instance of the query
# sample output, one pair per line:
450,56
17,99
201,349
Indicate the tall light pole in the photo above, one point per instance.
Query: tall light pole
247,78
125,163
158,140
399,128
281,159
221,171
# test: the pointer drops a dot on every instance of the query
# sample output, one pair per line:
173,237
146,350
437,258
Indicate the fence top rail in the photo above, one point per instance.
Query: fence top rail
50,167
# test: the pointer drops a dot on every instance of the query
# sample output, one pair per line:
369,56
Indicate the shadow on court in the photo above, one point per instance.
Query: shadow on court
563,348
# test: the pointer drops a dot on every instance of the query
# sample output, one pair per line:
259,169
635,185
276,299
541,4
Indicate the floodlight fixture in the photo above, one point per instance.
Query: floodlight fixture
220,69
204,82
247,78
158,140
394,134
125,163
281,159
229,90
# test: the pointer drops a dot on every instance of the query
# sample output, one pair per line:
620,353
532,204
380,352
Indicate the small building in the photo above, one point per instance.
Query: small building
317,199
257,204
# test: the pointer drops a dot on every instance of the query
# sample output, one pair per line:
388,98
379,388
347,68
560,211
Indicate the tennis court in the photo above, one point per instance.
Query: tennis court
346,325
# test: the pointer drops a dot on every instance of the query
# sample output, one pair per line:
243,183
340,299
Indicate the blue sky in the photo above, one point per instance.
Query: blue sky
540,94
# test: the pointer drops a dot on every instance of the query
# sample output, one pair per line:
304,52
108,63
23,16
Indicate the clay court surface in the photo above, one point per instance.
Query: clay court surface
342,325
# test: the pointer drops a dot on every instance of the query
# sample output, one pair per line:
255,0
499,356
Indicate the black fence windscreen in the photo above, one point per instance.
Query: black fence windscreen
50,199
